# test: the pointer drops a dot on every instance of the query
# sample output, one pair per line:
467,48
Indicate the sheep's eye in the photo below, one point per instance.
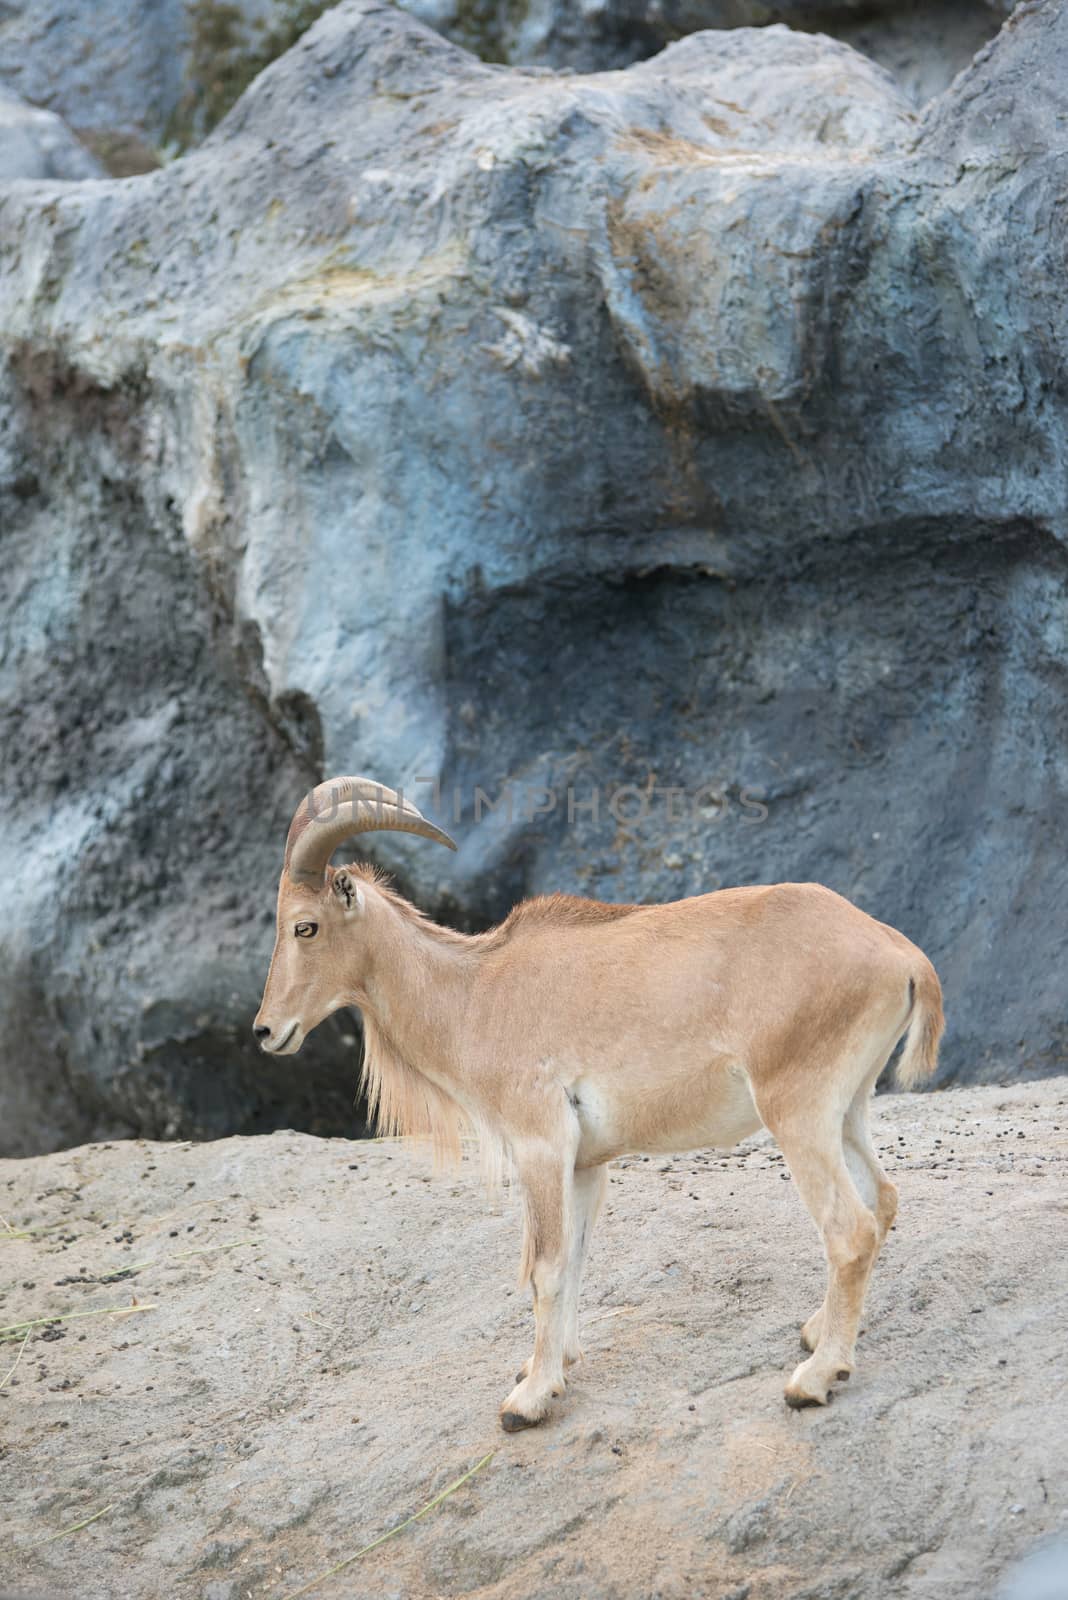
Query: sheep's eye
306,930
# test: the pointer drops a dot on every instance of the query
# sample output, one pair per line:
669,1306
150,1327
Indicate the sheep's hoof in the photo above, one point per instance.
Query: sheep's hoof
798,1402
513,1422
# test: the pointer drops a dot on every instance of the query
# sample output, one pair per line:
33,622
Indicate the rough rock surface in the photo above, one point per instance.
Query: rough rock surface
108,66
37,144
157,71
328,1330
923,43
692,426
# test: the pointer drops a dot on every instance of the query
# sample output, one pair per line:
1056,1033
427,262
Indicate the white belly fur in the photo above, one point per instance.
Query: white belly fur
613,1125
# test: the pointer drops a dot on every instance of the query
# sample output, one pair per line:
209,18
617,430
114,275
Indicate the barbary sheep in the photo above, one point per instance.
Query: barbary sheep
575,1032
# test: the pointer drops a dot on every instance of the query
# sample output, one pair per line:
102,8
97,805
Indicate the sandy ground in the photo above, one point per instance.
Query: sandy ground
318,1335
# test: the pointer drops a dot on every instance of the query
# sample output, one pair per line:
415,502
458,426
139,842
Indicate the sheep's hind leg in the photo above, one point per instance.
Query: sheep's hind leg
876,1190
813,1150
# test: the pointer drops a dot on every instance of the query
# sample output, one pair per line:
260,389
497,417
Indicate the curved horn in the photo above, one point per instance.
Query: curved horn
339,808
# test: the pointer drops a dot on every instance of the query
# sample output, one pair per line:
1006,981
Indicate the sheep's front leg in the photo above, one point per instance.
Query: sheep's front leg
588,1193
547,1177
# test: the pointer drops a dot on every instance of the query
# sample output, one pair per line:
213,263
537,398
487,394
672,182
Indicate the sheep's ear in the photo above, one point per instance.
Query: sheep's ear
347,890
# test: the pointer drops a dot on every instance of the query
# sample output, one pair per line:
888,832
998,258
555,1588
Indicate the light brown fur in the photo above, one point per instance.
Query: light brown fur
575,1031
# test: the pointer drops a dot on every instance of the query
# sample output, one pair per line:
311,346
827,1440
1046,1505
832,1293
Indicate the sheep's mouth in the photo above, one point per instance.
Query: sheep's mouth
276,1049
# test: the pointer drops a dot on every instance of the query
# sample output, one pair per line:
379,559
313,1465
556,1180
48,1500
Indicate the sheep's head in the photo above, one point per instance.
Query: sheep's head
311,970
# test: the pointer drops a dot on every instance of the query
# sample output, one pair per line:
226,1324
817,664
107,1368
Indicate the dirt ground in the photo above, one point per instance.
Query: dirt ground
313,1336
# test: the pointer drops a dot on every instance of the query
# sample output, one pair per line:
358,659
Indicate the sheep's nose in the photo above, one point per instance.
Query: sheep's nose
261,1031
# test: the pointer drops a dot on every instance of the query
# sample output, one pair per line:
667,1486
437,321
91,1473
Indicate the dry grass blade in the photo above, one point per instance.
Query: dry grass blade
329,1326
75,1527
331,1572
162,1260
6,1379
27,1233
613,1311
125,1272
206,1250
13,1329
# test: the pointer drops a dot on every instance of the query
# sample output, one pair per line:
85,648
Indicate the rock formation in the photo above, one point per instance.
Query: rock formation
134,76
37,144
694,427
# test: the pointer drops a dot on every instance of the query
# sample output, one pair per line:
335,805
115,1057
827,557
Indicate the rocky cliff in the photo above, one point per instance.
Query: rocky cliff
696,427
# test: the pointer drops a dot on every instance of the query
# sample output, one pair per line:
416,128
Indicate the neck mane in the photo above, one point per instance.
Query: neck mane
413,1000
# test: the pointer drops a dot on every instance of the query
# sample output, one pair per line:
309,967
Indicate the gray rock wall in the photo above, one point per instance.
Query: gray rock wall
695,426
37,144
137,76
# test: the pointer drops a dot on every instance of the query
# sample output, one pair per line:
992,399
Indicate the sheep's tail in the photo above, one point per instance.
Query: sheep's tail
919,1058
